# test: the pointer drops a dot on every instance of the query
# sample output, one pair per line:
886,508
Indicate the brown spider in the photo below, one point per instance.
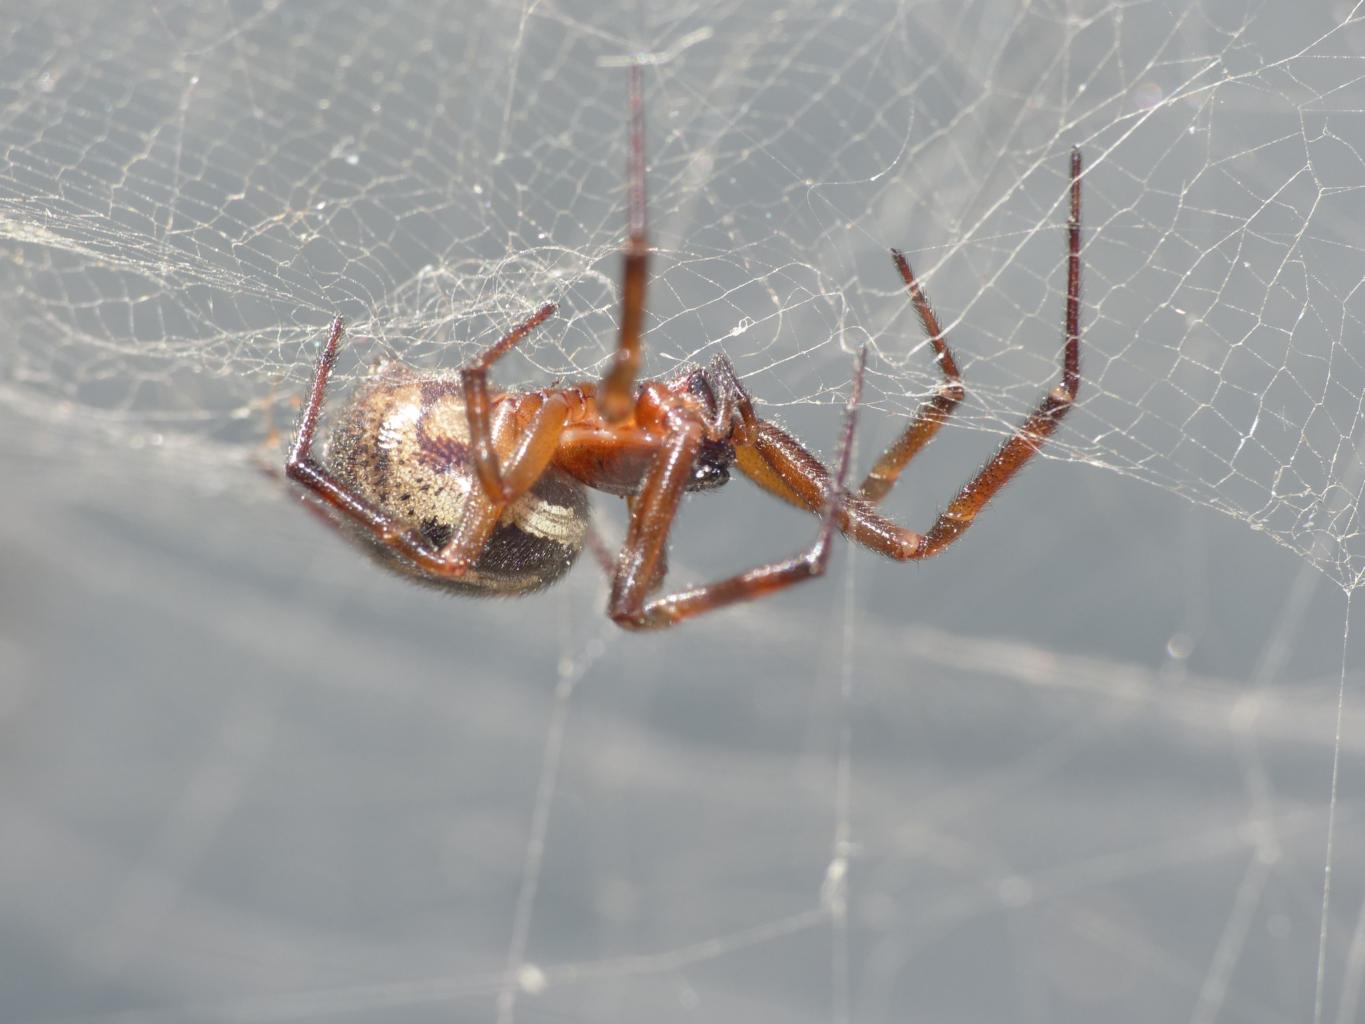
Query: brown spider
484,491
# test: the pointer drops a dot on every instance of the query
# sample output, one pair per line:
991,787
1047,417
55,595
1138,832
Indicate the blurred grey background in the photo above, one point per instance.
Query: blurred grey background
1085,765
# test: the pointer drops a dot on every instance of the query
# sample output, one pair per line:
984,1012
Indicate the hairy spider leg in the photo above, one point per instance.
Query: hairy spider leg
779,464
539,433
653,512
616,395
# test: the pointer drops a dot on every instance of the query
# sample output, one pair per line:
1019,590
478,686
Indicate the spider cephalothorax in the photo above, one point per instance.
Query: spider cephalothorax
484,491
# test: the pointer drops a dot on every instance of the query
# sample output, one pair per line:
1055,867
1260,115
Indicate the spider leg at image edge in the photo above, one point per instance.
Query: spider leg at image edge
484,492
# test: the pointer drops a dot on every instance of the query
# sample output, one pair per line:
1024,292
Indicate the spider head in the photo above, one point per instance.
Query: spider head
715,392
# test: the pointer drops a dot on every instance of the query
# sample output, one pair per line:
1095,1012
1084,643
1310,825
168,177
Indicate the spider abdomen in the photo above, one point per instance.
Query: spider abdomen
402,443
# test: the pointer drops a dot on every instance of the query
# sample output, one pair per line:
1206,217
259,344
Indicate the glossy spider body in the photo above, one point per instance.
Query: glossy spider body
401,444
485,491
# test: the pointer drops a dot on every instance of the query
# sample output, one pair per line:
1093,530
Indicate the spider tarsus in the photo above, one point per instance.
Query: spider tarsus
329,352
1071,369
522,329
635,213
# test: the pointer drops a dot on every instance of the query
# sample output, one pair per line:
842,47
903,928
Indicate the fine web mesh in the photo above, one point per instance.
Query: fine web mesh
848,813
189,197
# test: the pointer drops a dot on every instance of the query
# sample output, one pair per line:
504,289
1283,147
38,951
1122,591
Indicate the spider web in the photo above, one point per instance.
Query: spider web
1084,765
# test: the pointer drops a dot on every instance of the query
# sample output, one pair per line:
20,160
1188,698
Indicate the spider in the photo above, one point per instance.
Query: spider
482,491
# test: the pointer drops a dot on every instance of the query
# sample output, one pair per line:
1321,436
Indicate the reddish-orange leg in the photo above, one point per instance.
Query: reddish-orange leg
643,559
474,381
777,462
882,477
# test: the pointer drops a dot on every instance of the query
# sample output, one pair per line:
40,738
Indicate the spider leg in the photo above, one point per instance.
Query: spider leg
933,414
1026,441
781,465
785,468
615,396
302,448
300,466
652,514
538,424
606,557
534,425
474,380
